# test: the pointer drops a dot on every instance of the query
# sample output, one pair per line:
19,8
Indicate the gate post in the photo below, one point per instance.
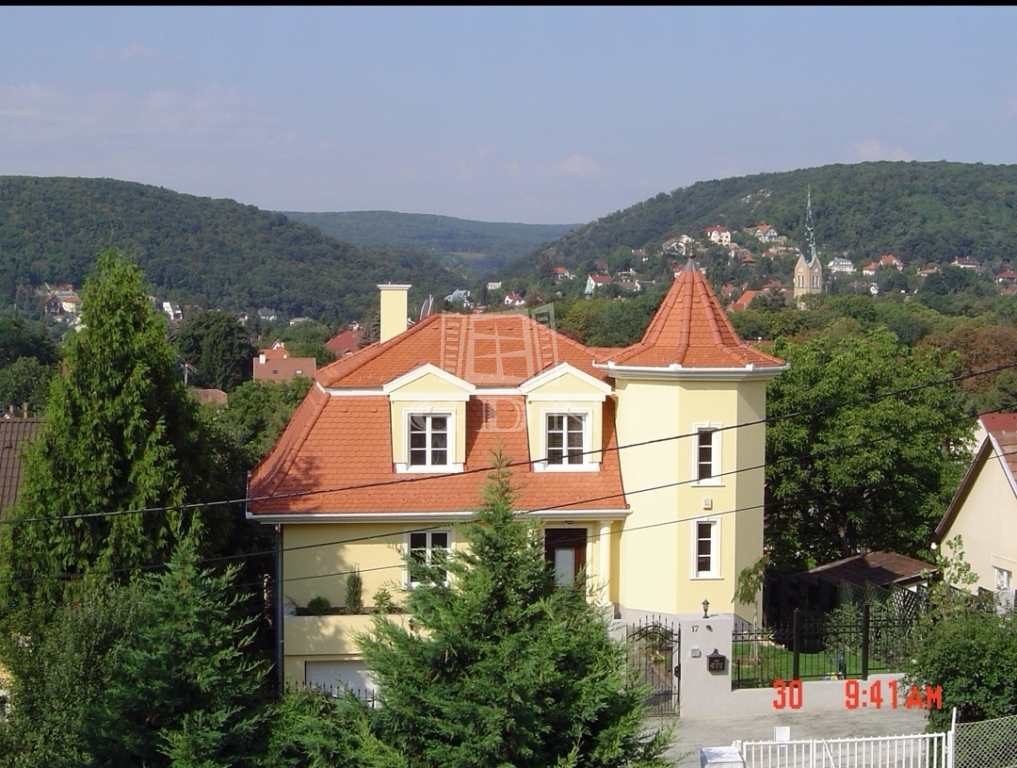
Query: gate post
796,637
865,641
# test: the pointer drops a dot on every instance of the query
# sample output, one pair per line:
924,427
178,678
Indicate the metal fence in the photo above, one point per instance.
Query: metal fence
922,750
988,744
366,695
654,662
820,648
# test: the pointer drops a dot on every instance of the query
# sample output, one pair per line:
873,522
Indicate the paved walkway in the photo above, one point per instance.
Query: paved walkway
691,735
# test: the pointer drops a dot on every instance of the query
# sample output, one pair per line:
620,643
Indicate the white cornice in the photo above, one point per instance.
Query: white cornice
563,369
675,371
427,517
429,369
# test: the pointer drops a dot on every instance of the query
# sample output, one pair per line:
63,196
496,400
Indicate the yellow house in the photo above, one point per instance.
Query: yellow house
983,512
644,464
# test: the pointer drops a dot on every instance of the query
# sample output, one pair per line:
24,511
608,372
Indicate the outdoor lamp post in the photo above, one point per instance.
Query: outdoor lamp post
706,609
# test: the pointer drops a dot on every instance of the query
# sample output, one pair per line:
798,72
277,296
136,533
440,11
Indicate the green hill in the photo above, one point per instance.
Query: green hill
921,212
469,246
216,253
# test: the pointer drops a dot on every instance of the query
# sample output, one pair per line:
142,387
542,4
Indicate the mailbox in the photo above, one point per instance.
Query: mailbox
716,662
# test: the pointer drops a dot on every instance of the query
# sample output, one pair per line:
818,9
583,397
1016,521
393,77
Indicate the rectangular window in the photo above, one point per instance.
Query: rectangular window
705,454
565,438
428,548
706,553
1003,578
429,440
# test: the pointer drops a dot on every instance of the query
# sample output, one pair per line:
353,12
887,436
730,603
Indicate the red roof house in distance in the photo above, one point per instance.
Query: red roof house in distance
719,234
629,458
344,343
275,364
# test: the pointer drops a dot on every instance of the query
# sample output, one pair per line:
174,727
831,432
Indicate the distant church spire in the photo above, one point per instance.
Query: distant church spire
810,228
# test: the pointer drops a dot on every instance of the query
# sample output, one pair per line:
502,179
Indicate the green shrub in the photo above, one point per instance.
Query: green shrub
355,592
383,601
318,606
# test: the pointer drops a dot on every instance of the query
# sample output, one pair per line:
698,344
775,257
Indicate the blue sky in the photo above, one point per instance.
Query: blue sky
542,115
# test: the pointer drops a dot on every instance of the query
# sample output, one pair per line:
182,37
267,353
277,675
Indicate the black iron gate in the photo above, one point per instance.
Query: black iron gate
655,660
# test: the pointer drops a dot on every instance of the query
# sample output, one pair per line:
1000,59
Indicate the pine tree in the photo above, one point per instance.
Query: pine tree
121,434
499,667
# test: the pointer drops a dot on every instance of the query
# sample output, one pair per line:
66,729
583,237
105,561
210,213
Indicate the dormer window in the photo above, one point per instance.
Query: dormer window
566,442
429,440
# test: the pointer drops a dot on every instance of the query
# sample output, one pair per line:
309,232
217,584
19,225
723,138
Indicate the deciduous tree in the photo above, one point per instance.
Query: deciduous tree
216,344
849,470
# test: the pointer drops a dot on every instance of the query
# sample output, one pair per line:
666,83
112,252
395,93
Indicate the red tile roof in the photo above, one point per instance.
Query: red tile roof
14,437
336,456
692,330
344,343
497,349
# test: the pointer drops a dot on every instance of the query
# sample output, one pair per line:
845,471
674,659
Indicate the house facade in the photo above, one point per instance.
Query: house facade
643,465
983,512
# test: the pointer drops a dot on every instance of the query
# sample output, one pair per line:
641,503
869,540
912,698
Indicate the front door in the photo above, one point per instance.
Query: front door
565,549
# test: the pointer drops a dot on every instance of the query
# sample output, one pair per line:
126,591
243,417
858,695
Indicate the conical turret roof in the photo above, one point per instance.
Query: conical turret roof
691,330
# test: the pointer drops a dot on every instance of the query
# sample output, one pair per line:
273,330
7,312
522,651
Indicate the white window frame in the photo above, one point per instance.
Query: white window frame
428,550
714,571
451,465
1003,578
716,445
586,464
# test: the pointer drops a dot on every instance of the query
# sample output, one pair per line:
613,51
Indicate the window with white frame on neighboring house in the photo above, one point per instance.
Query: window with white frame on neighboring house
1003,578
706,549
707,455
429,440
427,548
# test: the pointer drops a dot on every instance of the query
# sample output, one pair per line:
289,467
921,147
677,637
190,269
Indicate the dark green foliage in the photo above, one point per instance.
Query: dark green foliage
845,474
469,246
186,688
121,434
257,413
355,592
319,606
965,645
216,253
216,344
157,672
502,669
18,340
59,671
609,323
310,730
25,382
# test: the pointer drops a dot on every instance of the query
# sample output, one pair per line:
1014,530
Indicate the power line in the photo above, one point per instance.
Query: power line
424,478
424,529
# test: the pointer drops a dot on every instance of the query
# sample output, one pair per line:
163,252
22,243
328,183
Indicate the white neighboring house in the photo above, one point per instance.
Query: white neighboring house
841,265
172,310
514,300
765,233
719,234
983,512
593,282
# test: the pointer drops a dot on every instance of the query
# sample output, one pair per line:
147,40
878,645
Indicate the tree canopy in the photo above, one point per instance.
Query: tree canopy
499,666
217,345
864,449
121,449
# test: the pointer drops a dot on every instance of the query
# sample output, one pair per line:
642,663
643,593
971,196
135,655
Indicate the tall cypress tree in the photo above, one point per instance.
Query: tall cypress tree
500,667
121,435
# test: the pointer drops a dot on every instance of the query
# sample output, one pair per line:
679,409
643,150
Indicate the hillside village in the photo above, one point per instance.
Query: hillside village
713,435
